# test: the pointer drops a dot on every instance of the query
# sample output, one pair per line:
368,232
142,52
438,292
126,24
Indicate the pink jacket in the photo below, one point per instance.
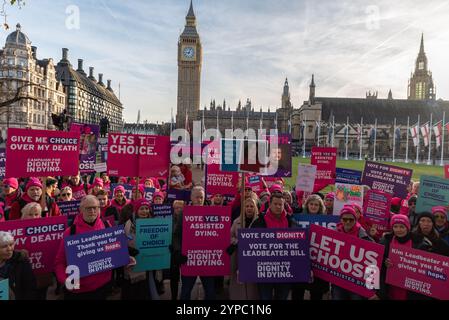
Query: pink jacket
90,283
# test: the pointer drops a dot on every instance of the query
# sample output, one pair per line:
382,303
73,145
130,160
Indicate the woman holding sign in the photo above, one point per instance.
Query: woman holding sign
237,290
313,205
349,226
17,268
426,227
400,235
137,285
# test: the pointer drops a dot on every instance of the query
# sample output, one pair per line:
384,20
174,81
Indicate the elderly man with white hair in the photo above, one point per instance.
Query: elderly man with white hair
93,287
16,267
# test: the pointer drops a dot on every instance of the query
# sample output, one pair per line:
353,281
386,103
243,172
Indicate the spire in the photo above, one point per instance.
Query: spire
390,95
421,48
312,91
190,18
286,82
191,14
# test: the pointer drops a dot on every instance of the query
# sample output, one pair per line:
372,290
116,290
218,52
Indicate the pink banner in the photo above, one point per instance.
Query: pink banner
344,260
206,233
419,271
38,153
325,160
133,155
376,210
40,237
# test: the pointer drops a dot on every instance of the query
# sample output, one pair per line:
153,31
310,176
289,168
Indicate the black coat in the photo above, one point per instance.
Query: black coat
22,281
418,242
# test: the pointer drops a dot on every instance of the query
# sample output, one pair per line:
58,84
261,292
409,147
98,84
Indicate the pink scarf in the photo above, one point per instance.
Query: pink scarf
273,221
353,232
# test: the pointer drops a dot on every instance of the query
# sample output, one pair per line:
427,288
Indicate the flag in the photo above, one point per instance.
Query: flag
187,126
372,134
447,126
330,133
276,121
290,126
438,130
425,133
397,135
414,131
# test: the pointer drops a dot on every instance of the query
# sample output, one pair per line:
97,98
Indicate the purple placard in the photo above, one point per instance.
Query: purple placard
281,157
70,209
99,251
162,210
387,178
174,194
273,255
2,162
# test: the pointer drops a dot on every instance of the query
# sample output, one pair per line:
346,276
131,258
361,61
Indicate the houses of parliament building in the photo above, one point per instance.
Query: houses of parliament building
342,116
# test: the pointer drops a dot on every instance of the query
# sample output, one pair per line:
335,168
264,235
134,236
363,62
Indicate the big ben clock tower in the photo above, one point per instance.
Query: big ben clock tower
189,72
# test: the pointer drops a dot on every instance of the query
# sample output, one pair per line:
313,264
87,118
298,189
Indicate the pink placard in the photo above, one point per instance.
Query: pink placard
206,233
419,271
40,237
133,155
343,260
325,160
446,171
376,209
38,153
217,181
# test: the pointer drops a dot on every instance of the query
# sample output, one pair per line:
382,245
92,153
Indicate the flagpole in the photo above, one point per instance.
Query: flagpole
347,133
442,137
430,140
171,121
361,138
394,138
375,139
417,146
406,145
333,131
304,137
319,133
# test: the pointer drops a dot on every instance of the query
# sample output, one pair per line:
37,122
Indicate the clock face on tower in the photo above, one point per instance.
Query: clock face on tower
188,53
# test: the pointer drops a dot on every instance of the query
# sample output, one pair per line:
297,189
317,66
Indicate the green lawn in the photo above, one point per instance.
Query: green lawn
418,170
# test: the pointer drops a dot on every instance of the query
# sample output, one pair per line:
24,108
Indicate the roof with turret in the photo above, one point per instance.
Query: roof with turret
18,37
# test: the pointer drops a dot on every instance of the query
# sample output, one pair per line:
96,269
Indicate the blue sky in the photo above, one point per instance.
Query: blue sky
249,47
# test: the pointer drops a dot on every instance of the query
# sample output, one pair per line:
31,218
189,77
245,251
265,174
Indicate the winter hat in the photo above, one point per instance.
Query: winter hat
348,209
357,206
12,182
439,209
330,195
400,218
98,182
426,215
123,180
119,188
396,201
160,195
141,189
264,193
140,203
276,188
33,182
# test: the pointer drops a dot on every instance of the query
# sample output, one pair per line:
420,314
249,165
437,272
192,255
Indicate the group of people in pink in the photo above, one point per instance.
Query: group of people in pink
273,206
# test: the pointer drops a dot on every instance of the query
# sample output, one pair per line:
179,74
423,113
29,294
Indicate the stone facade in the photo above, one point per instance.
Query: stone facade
20,67
89,100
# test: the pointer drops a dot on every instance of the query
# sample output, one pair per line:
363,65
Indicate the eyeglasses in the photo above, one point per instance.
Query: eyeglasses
92,208
347,219
440,217
65,194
